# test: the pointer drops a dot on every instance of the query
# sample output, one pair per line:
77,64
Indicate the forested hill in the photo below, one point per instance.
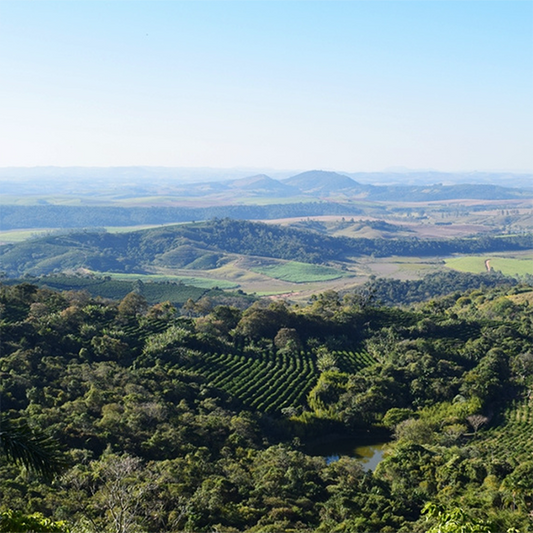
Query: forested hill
63,216
131,252
393,292
205,422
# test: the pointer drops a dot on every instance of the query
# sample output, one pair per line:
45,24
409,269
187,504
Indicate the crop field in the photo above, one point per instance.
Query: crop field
352,362
514,435
510,266
271,381
296,272
116,289
203,283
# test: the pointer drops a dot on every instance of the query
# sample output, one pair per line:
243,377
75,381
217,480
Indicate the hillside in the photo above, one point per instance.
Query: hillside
263,185
322,183
207,420
210,244
82,216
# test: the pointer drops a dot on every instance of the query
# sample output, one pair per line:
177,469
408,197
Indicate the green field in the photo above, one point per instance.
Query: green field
297,272
20,235
116,289
127,229
506,265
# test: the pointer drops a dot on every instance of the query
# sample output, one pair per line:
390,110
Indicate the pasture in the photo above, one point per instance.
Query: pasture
296,272
510,266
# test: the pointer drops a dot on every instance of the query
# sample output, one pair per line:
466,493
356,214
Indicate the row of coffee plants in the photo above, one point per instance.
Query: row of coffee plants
352,362
269,381
512,437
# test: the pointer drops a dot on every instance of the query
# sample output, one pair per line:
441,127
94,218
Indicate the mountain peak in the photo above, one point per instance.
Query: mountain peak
262,184
322,181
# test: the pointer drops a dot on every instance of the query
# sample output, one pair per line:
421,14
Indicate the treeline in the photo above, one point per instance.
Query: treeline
396,292
439,192
59,216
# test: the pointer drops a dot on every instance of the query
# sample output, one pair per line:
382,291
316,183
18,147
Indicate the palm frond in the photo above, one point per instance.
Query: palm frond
31,449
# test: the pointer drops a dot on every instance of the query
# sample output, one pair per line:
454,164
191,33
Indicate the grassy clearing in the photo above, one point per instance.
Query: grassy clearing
509,266
203,283
296,272
20,235
474,264
521,298
128,229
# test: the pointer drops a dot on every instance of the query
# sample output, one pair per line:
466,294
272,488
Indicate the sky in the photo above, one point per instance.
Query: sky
337,85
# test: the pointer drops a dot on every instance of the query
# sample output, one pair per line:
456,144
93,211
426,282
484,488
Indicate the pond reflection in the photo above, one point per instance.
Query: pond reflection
369,455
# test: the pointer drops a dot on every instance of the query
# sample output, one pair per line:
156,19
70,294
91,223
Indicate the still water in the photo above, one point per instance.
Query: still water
369,454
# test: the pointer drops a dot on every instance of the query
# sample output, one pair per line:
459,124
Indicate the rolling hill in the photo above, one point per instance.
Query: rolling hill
322,183
207,245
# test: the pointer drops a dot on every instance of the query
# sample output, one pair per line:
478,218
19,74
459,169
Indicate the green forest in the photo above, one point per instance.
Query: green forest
132,416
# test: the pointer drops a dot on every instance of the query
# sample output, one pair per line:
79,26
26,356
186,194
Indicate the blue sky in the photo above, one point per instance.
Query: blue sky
350,85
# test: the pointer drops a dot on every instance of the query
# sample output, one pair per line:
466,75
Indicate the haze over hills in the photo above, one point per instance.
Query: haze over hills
264,185
323,183
228,186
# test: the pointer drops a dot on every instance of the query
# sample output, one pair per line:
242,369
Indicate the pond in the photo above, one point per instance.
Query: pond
369,454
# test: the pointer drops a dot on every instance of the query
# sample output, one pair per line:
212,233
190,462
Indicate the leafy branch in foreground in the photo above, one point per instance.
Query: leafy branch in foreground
33,450
15,521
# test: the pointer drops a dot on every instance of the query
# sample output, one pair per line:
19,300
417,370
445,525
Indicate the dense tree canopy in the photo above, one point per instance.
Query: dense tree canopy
206,422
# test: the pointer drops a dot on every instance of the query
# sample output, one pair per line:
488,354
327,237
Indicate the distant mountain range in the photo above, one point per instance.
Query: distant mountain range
323,184
135,182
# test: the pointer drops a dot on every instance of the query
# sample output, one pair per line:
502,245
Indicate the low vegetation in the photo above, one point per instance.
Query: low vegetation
154,289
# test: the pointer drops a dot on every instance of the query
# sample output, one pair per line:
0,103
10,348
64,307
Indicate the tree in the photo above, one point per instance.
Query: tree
38,453
132,304
453,521
287,340
476,421
17,522
31,449
122,491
